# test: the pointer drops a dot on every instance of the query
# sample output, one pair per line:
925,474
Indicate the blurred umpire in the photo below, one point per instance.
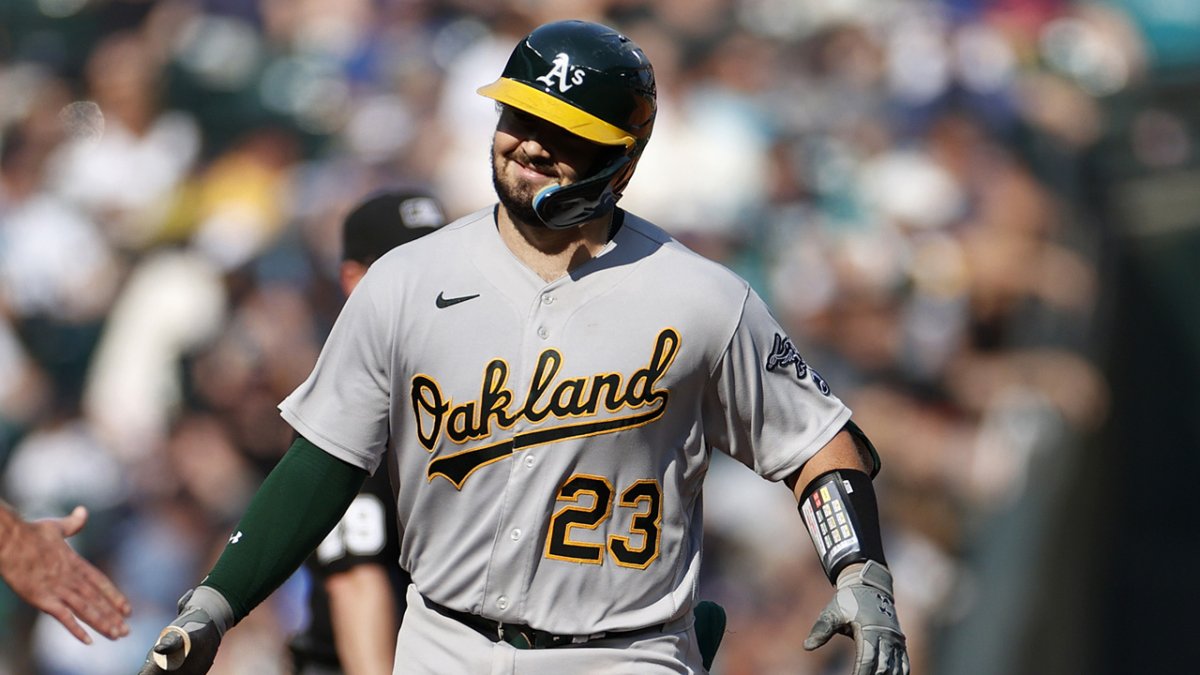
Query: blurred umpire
357,598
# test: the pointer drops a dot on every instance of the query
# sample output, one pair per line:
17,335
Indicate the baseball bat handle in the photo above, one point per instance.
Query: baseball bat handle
172,648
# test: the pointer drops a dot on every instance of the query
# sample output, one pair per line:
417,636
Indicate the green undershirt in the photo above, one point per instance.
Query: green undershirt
298,504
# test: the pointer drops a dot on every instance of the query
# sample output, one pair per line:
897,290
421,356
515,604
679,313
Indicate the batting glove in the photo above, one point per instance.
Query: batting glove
188,645
863,609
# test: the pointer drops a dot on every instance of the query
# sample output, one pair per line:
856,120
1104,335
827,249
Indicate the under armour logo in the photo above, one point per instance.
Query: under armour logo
562,70
235,537
885,605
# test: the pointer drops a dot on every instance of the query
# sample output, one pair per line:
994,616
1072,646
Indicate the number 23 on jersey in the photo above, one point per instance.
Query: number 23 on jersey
590,503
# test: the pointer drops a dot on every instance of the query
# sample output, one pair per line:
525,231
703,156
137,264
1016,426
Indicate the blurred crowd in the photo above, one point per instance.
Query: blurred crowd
894,176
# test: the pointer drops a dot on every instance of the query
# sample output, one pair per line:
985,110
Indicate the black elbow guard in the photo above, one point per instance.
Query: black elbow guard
842,517
865,445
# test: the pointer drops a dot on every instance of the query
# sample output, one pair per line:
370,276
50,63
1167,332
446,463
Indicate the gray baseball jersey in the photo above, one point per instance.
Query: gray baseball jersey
551,439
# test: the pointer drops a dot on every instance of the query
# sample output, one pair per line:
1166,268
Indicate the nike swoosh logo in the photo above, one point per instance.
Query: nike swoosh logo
443,302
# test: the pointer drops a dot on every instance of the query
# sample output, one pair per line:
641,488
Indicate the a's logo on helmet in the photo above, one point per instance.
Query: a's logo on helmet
567,76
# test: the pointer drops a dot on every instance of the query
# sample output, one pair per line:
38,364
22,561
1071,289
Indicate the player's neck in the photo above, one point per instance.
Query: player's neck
552,253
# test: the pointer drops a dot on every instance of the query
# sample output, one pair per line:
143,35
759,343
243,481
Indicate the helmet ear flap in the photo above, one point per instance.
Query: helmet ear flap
561,207
621,178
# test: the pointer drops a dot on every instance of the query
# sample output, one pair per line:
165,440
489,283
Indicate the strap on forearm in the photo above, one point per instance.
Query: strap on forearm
842,518
213,603
298,504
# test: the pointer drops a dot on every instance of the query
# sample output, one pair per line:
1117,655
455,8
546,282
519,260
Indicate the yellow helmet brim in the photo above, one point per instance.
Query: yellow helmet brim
556,111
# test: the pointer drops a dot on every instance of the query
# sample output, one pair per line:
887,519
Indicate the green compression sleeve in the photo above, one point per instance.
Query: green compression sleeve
298,504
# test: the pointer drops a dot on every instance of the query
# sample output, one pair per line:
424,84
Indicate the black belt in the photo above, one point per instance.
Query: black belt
527,637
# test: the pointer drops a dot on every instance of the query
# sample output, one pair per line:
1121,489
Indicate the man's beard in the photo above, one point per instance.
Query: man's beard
517,199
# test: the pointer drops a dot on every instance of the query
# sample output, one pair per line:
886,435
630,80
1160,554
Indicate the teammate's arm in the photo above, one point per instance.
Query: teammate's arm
298,504
363,613
837,501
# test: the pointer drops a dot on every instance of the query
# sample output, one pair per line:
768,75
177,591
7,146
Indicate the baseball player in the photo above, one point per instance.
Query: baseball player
548,378
357,599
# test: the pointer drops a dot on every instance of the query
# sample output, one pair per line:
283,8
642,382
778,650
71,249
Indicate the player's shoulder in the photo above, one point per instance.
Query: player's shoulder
682,263
484,217
431,247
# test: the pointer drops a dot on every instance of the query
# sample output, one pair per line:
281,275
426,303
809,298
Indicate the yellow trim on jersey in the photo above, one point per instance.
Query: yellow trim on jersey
555,110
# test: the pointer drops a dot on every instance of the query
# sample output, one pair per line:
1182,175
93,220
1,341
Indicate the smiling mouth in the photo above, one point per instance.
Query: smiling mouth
535,171
540,168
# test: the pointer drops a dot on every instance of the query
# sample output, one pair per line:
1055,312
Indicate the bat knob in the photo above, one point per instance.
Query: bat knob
172,648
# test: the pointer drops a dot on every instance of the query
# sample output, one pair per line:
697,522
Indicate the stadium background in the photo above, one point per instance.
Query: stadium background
980,220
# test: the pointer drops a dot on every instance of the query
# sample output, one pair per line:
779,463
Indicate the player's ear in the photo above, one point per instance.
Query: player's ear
351,273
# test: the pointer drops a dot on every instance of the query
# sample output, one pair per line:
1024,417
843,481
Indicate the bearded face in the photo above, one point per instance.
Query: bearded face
530,154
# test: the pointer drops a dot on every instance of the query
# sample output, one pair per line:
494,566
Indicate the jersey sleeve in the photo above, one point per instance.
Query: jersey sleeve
765,406
344,405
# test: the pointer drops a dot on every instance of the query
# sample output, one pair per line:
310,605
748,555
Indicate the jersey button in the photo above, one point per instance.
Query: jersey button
530,460
547,299
543,333
502,602
516,534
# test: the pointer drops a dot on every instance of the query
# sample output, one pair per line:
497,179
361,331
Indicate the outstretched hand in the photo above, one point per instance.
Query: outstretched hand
46,572
863,608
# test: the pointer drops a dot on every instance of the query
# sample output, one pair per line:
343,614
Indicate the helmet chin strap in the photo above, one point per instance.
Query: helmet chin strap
561,207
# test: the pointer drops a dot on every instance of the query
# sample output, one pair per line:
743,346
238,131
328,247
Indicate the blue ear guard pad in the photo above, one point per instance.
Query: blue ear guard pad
561,207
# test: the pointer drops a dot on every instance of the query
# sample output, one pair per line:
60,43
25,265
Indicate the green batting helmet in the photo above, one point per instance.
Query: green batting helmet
595,83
